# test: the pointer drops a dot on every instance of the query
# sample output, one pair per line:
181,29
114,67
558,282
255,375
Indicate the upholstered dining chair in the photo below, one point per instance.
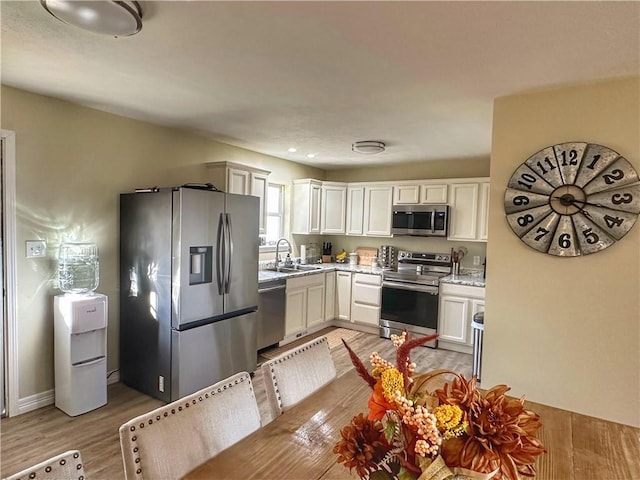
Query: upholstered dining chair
297,373
65,466
172,440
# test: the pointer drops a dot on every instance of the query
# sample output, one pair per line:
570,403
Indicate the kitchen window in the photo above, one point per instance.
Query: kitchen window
275,217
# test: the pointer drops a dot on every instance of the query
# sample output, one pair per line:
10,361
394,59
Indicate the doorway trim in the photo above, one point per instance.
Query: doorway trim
10,279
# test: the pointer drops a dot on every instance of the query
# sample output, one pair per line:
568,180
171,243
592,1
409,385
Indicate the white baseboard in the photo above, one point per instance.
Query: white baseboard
43,399
33,402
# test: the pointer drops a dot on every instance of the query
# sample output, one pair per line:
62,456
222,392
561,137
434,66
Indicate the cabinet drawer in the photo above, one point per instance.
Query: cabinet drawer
461,290
365,314
305,281
367,278
366,294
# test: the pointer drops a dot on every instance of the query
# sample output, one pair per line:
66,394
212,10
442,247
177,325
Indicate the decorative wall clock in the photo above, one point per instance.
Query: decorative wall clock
573,199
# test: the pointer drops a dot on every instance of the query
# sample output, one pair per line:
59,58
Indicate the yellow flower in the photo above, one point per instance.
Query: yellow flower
449,421
392,381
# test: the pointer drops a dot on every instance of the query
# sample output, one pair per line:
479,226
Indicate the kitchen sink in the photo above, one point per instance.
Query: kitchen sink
295,269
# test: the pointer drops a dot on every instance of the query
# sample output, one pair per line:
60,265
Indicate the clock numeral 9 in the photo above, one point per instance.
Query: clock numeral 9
525,220
590,236
564,240
521,200
617,199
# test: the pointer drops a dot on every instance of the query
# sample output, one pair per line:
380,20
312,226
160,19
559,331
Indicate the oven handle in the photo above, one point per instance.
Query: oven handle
412,287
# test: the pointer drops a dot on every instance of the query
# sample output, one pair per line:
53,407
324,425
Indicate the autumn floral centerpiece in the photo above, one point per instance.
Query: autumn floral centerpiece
455,431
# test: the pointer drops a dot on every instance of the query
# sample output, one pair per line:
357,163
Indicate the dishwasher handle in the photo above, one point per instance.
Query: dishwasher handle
272,289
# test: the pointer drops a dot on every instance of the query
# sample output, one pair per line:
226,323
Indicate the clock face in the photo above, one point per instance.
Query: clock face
573,199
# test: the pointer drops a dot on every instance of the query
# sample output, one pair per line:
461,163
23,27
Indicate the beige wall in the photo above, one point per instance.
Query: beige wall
451,168
72,162
564,331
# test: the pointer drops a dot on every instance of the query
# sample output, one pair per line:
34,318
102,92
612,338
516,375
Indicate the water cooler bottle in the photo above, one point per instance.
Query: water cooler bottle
80,325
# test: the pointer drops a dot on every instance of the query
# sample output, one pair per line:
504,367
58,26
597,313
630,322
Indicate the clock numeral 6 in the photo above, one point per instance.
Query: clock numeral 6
590,236
564,240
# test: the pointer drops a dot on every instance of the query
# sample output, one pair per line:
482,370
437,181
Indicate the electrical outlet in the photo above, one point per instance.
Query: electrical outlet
36,248
476,260
161,383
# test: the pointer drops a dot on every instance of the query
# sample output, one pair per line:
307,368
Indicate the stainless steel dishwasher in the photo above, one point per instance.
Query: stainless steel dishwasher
271,308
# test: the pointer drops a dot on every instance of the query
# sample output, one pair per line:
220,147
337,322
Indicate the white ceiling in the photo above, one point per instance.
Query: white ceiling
419,76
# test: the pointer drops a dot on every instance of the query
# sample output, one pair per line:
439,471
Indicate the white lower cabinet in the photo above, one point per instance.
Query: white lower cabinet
458,305
366,292
343,295
329,296
305,302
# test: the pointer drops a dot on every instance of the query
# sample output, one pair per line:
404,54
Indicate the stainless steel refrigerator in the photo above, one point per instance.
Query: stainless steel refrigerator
188,288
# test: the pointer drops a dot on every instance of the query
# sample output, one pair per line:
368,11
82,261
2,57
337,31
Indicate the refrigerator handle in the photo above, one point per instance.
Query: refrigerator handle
229,254
220,254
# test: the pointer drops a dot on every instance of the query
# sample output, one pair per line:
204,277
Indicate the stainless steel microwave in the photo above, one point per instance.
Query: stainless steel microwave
420,220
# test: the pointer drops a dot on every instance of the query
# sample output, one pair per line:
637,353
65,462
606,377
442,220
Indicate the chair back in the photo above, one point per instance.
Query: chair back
66,466
297,373
170,441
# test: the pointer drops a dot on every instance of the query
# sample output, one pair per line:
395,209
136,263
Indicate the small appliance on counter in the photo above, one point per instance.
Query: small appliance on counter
387,257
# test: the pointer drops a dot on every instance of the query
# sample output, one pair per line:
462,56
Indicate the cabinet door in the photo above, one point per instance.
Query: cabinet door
314,208
238,181
454,314
343,295
315,305
259,184
295,311
329,296
406,194
333,211
377,210
463,199
355,210
433,193
483,213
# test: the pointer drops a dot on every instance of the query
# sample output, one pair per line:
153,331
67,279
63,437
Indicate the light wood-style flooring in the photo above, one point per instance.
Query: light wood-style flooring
32,437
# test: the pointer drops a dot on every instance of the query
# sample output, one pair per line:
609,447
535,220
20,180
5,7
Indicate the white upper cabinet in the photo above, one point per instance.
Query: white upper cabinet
419,193
378,201
305,206
355,210
243,180
406,194
436,193
334,208
468,213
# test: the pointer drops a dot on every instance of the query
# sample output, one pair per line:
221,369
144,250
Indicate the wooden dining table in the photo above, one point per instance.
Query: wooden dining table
299,444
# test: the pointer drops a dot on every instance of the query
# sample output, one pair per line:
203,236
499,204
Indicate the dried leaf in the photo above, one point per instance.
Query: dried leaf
360,368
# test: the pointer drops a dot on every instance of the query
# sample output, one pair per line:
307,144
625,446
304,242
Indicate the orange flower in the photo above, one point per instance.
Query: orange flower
378,405
361,446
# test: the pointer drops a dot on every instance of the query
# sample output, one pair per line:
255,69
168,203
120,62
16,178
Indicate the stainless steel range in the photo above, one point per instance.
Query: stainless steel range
410,294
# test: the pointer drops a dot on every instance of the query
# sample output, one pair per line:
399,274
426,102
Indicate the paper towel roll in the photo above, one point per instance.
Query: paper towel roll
303,254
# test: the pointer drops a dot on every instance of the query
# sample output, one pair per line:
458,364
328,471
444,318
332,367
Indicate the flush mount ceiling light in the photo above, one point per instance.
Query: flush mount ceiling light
368,147
116,18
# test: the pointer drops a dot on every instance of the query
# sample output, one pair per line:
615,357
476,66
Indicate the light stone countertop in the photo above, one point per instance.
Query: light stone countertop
471,280
266,275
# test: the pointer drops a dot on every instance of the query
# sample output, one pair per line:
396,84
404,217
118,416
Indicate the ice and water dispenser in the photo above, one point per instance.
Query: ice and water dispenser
80,326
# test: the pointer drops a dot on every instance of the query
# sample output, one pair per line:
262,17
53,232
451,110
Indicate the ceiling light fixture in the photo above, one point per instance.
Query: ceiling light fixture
368,147
292,150
116,18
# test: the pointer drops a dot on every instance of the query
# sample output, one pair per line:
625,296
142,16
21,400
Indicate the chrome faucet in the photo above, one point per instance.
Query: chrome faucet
278,251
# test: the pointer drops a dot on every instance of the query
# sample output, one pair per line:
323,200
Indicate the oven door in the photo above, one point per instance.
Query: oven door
409,306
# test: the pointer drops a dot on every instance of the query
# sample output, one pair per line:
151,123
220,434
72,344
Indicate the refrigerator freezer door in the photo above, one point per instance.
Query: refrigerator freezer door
242,274
205,355
195,290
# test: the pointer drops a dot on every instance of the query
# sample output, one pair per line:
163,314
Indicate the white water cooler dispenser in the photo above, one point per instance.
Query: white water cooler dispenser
80,324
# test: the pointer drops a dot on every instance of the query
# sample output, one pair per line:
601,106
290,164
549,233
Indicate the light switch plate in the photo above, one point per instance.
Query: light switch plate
36,248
